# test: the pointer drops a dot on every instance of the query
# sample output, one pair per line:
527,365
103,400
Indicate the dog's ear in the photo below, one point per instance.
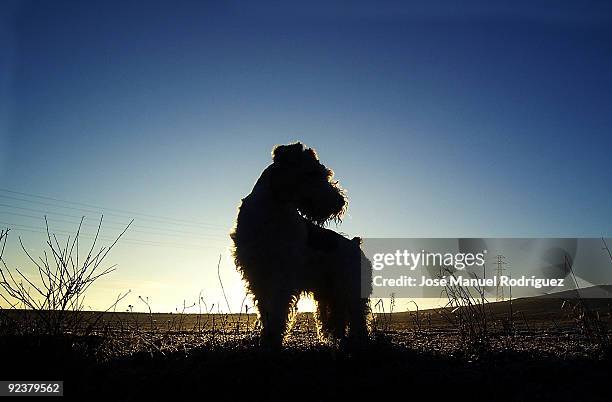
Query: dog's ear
287,154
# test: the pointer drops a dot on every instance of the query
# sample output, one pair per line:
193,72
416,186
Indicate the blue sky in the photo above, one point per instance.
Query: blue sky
440,120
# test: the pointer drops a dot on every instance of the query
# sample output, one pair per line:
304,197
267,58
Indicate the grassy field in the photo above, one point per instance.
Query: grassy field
536,348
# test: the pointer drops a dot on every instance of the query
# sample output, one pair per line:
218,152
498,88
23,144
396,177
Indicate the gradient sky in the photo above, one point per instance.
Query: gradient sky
440,119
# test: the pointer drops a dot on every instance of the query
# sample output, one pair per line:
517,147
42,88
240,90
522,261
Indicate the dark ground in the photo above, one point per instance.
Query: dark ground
542,358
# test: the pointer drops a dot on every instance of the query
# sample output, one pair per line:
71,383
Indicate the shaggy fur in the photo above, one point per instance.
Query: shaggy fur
282,249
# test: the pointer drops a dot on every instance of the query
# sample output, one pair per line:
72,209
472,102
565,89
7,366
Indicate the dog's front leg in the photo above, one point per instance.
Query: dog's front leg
274,312
358,327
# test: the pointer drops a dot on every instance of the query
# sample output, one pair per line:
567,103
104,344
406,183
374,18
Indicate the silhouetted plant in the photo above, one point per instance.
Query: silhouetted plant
587,321
381,319
467,313
57,298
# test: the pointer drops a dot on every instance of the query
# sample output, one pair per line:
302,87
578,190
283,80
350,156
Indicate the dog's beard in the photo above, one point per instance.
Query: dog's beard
321,220
321,213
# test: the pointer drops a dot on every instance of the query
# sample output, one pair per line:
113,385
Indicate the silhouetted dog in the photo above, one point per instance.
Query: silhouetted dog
282,250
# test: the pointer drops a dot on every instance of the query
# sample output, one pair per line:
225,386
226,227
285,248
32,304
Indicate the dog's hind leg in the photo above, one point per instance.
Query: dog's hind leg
322,319
274,312
360,290
331,323
358,326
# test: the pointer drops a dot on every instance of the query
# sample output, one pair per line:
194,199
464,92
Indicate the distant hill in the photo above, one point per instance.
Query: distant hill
593,292
553,310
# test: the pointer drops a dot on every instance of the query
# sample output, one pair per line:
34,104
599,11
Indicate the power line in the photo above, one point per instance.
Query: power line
159,232
132,242
100,211
152,230
47,212
33,229
117,211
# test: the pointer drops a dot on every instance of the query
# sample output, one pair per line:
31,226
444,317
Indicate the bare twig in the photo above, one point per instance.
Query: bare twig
61,282
229,309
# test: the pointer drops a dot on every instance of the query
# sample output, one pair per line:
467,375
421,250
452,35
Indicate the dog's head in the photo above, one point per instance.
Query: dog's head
298,177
